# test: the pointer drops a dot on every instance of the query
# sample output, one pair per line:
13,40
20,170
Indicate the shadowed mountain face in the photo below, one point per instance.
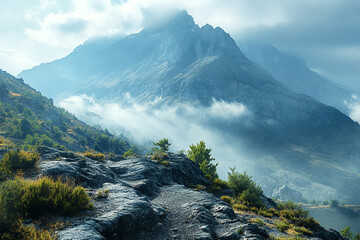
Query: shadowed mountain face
293,72
179,62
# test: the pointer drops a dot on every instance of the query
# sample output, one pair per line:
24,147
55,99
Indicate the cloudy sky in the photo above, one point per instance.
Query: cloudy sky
325,32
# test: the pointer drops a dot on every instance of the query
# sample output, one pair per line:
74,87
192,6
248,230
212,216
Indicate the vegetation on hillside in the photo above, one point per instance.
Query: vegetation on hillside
22,199
30,120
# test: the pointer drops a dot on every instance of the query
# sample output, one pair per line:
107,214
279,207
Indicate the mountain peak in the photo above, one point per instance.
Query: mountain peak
178,21
182,17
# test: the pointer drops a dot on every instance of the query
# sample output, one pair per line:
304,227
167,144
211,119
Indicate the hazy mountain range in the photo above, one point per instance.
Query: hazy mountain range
291,138
293,72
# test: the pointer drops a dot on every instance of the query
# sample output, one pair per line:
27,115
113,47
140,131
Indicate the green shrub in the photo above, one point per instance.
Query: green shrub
217,186
29,232
240,231
308,222
303,231
227,199
296,215
259,222
273,212
199,187
15,159
102,193
159,156
245,189
254,210
165,163
240,207
95,156
32,198
129,153
265,213
283,226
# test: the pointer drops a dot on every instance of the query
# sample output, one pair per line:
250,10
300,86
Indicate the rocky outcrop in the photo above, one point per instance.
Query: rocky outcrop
148,200
285,193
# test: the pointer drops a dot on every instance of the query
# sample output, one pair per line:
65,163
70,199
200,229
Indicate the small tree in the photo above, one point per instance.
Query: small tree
162,145
357,236
346,232
200,154
334,203
25,126
3,90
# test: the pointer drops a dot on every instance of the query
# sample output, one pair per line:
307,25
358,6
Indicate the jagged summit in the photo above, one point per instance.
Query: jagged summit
186,64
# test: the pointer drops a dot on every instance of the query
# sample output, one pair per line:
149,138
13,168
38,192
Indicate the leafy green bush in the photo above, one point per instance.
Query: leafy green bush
240,207
15,159
254,210
102,193
129,153
296,215
217,185
159,156
199,187
227,199
240,231
95,156
200,154
21,198
283,226
245,189
28,232
303,231
259,222
265,213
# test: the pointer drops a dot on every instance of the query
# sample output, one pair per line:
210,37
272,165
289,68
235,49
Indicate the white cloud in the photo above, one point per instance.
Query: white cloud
182,124
222,109
104,17
354,111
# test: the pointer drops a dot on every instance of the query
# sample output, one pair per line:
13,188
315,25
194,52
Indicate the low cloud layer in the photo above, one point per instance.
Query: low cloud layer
182,124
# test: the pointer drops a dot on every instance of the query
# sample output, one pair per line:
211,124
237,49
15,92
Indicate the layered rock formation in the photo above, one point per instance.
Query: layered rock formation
148,200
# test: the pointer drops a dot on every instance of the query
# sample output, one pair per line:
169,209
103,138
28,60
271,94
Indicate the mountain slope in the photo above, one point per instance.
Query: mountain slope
293,72
29,119
181,63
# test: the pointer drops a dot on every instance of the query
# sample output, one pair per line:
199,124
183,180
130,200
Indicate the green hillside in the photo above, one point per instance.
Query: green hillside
29,119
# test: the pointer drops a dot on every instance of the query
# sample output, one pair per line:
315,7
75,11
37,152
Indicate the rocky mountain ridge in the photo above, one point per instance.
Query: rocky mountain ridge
148,200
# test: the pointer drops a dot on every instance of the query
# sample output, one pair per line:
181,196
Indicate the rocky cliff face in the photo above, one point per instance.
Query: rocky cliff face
148,200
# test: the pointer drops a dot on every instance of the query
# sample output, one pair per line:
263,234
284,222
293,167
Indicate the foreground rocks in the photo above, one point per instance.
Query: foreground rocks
148,200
